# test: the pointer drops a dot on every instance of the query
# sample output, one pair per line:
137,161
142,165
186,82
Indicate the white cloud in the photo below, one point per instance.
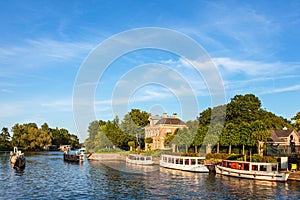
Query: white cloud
42,52
281,90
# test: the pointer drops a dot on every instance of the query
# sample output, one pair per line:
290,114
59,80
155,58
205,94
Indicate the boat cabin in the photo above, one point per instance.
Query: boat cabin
183,160
250,166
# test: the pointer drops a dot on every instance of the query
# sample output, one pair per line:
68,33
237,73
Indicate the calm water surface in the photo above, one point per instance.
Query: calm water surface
47,176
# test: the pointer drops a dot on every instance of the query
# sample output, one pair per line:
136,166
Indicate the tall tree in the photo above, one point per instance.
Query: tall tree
260,135
243,108
296,120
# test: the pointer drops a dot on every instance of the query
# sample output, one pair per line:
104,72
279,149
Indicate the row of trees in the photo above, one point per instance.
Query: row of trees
112,134
30,137
241,124
244,126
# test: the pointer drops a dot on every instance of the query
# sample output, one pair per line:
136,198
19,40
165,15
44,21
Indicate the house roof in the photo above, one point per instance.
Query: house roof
281,133
278,135
168,120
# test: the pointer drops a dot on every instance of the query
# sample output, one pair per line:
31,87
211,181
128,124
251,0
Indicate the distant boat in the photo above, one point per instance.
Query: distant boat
17,159
77,156
139,159
184,163
251,170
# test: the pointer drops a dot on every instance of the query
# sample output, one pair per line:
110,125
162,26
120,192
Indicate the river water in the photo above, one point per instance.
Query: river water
47,176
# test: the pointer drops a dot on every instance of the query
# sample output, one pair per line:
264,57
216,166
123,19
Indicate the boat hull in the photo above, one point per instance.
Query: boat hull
266,176
73,157
18,161
196,168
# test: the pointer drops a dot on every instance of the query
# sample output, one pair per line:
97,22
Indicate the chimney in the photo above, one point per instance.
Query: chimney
165,115
174,115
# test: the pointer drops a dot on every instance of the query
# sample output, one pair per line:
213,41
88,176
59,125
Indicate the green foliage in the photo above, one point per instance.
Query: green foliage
148,140
109,150
296,123
234,157
5,143
267,159
131,143
30,137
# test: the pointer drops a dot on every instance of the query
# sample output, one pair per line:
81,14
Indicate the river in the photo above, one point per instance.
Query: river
47,176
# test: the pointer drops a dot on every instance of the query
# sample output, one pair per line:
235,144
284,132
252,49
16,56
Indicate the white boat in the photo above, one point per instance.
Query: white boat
17,159
251,170
139,159
184,163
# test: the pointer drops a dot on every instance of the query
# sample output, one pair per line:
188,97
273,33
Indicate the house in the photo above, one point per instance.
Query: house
160,127
284,141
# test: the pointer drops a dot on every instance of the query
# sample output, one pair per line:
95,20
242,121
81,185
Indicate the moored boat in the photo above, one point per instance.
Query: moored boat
252,170
184,163
74,157
139,159
17,159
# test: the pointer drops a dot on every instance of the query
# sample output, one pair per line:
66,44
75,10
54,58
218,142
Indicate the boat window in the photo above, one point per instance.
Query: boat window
186,161
193,162
246,166
263,168
274,167
148,158
200,161
254,168
181,161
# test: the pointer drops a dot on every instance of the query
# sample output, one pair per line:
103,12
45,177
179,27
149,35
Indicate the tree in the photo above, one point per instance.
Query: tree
245,135
243,108
230,136
4,139
296,120
260,135
131,144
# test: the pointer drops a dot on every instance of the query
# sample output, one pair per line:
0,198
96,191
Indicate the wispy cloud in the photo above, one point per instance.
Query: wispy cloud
42,52
282,89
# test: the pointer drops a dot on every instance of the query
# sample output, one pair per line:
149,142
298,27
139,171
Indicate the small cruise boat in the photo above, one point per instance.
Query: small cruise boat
79,155
252,170
139,159
17,159
184,163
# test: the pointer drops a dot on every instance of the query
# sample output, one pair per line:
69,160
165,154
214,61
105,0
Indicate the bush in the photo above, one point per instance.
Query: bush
267,159
234,157
109,150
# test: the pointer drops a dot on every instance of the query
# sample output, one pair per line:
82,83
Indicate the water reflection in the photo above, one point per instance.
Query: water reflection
48,176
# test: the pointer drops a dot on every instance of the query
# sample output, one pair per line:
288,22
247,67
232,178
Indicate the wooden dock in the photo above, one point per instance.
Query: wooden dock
294,176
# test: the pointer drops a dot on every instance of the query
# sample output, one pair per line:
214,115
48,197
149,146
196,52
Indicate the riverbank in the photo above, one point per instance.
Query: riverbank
106,156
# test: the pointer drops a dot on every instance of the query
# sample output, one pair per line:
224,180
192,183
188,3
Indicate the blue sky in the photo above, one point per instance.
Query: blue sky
43,44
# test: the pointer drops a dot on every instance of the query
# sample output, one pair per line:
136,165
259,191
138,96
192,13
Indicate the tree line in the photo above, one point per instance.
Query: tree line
115,134
239,126
30,137
244,127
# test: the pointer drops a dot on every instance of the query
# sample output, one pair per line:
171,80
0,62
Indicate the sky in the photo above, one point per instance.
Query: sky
248,46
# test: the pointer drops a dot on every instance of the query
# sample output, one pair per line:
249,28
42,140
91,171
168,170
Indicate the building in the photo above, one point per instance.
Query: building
283,142
160,127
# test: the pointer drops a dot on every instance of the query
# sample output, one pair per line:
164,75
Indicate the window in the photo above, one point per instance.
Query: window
274,167
263,168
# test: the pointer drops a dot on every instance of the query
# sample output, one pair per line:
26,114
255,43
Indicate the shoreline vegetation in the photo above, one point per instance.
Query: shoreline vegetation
243,131
30,137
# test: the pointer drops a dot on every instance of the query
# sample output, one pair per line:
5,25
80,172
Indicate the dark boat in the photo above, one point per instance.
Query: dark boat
17,159
74,157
